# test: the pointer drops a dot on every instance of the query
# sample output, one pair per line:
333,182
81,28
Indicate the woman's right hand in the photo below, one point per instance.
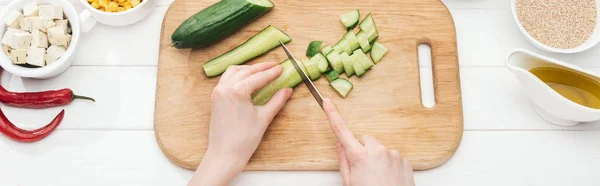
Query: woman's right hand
368,162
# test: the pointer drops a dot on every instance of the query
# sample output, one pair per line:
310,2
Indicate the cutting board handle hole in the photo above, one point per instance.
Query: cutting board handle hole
426,76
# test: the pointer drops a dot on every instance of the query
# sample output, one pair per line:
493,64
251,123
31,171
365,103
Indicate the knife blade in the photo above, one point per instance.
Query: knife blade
311,87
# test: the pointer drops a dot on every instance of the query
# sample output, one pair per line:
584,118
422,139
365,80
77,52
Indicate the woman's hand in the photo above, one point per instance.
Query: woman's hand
368,162
236,125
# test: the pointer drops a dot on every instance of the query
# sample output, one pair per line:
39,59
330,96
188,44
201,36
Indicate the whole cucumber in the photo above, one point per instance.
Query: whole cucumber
217,22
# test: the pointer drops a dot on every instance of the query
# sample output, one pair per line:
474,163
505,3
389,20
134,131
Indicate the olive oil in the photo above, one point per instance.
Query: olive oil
575,86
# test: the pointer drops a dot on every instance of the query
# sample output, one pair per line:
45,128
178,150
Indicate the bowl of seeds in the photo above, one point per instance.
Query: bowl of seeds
560,26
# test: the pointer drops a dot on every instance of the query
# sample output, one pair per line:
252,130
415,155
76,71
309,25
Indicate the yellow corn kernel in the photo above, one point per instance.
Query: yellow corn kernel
134,3
95,5
120,9
127,7
112,7
103,3
121,2
90,1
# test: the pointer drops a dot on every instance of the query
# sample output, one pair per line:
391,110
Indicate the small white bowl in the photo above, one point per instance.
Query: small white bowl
592,41
91,15
59,66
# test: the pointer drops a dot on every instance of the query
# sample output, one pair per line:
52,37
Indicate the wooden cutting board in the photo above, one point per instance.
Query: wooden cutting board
385,102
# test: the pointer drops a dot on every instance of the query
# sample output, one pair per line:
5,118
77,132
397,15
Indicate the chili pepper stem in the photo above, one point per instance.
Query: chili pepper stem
75,96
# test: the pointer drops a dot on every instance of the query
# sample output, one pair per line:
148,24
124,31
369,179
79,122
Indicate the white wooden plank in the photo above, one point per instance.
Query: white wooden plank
529,158
124,98
493,100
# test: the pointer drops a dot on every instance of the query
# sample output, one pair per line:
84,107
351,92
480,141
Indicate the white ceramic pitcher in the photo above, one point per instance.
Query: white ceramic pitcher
549,104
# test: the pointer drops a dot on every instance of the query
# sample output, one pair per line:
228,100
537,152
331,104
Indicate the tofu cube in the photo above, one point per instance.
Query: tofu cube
40,39
6,49
31,9
35,56
17,39
63,23
32,23
57,30
57,36
18,56
54,53
51,12
49,24
13,19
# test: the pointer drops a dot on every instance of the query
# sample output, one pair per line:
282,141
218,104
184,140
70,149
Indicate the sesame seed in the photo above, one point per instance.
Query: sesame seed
558,23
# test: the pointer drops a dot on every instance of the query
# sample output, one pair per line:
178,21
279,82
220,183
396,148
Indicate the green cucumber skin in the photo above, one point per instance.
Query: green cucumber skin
331,75
215,23
313,48
289,78
246,51
354,13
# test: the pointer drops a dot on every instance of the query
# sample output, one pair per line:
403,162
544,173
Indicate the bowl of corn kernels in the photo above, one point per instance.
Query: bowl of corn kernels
114,12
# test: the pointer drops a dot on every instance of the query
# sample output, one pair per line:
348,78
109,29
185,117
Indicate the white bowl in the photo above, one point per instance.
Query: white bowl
91,15
59,66
592,41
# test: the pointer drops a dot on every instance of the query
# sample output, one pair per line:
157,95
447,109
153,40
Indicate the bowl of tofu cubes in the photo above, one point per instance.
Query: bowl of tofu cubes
39,37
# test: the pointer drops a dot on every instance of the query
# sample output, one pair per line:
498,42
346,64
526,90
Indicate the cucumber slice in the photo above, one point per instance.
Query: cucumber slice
363,41
313,48
259,44
321,62
337,49
350,19
344,46
341,86
358,69
378,52
335,62
289,78
362,59
368,24
312,69
331,75
348,64
352,40
326,49
372,35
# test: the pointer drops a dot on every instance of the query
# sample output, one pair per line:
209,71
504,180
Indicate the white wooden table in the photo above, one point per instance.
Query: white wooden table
111,142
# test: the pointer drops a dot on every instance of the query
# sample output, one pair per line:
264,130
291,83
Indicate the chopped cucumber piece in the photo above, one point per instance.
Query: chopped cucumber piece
321,61
362,59
337,49
363,41
312,69
341,86
352,40
344,46
289,78
378,52
331,75
372,35
348,67
326,49
259,44
313,48
368,24
350,19
335,62
358,69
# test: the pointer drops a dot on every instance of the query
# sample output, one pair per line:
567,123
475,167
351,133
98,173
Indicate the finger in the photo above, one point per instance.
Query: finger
369,141
344,166
253,69
395,154
408,172
260,79
341,131
231,71
276,103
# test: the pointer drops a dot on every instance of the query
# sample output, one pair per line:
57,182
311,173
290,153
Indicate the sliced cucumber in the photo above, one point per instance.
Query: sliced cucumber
289,78
313,48
321,62
378,52
363,41
368,26
341,86
344,46
335,62
352,40
348,64
312,69
358,69
326,49
337,48
362,59
259,44
372,35
350,19
331,75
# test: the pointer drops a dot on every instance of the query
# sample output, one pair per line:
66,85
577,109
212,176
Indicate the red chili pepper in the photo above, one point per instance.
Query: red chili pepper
39,100
17,134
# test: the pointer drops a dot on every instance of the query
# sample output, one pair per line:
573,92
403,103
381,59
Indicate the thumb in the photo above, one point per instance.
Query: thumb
276,103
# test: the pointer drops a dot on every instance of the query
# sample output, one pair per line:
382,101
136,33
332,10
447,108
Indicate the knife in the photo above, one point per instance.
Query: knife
311,87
